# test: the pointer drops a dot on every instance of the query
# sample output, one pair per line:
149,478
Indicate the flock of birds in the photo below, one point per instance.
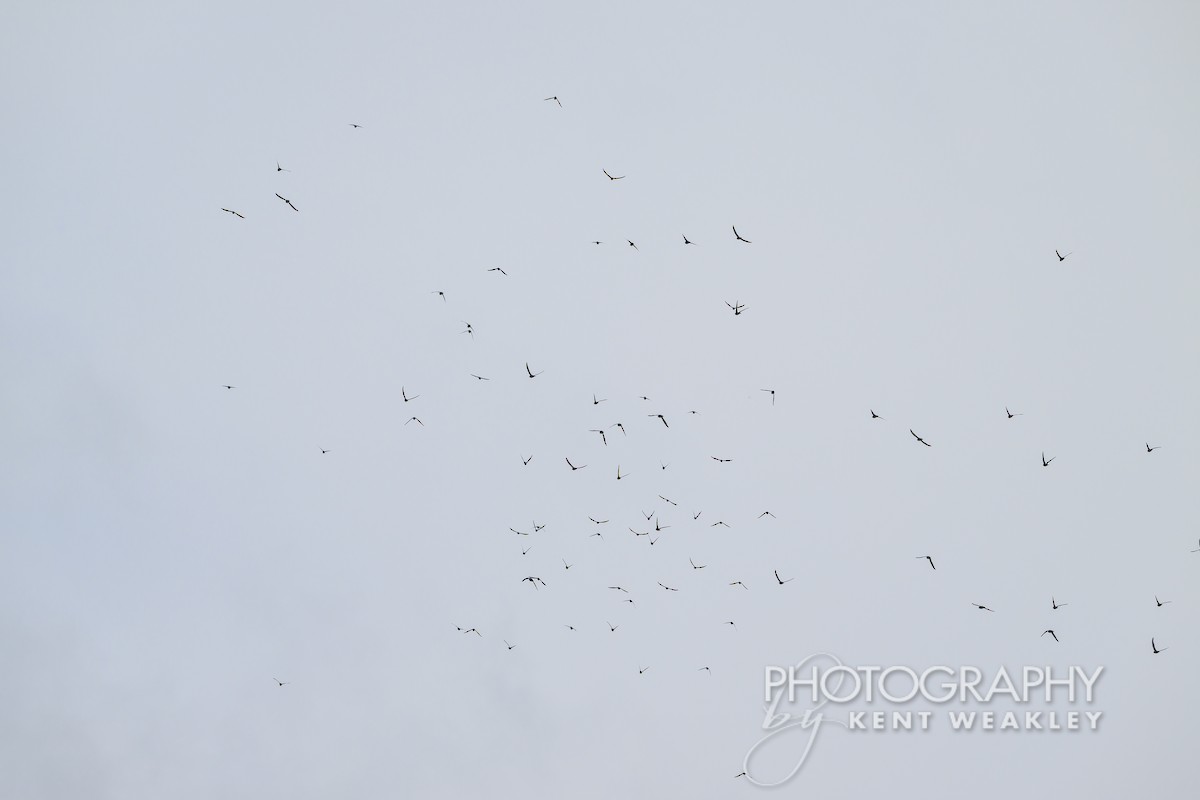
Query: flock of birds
653,524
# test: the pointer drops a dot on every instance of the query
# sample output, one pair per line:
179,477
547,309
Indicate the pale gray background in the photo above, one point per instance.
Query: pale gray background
905,172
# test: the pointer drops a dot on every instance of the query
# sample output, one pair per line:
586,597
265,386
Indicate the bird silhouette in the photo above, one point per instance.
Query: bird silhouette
531,373
1052,633
1046,463
289,202
930,559
231,211
1155,648
781,581
1061,257
919,439
739,237
555,99
1161,603
612,177
572,466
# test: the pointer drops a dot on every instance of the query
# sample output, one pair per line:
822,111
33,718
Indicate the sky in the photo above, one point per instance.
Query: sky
171,549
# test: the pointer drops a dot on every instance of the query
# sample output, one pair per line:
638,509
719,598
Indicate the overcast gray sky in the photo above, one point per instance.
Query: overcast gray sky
905,173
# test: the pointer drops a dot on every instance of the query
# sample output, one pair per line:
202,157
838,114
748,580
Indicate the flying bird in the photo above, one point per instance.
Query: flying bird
231,211
698,566
739,583
1055,605
354,125
555,99
566,565
721,460
479,377
596,402
534,581
1150,449
1046,463
772,391
631,244
280,169
981,608
289,202
526,461
532,374
781,581
416,420
1155,647
281,683
610,177
323,451
227,386
930,560
660,416
1061,257
1011,414
619,475
598,521
506,644
919,439
1052,633
766,514
1162,603
498,269
685,240
572,466
738,236
668,588
738,308
404,395
874,415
